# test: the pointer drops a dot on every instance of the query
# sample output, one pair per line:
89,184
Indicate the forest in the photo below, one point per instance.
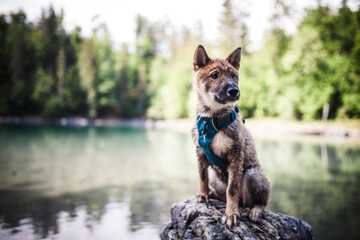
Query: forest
48,71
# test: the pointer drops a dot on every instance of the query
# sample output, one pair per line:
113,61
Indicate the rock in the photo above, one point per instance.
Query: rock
192,220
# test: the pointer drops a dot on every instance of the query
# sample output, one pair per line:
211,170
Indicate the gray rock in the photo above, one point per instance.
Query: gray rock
192,220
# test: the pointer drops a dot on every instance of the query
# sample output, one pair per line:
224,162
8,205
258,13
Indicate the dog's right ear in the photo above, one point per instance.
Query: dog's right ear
201,58
234,58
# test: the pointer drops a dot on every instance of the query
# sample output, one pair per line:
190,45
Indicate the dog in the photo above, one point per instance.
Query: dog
223,142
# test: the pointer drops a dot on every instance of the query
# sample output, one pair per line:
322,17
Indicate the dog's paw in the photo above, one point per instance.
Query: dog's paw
202,198
255,215
231,220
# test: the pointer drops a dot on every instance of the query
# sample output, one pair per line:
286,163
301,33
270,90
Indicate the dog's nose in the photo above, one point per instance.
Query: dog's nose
233,92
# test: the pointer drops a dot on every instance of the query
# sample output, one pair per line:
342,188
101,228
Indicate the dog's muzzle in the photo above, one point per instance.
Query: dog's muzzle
229,93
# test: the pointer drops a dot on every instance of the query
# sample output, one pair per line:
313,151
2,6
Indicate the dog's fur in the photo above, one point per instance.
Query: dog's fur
242,182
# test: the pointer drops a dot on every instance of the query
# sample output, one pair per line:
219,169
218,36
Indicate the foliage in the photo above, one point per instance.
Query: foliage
47,71
296,75
172,82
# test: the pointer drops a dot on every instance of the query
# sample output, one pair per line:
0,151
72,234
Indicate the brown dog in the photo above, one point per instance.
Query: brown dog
237,177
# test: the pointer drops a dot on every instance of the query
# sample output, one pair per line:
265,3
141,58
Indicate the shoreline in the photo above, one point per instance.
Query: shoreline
265,127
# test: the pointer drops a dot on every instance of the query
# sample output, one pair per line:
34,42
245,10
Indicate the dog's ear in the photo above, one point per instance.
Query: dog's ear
234,58
201,58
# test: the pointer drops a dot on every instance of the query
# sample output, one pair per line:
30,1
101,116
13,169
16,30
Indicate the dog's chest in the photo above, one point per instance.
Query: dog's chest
221,143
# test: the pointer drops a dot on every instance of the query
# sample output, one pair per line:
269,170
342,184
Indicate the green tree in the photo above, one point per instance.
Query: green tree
125,83
146,50
233,27
74,95
21,65
5,55
106,76
340,34
87,70
172,81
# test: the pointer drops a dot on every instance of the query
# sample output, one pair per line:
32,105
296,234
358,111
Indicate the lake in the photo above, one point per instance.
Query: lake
119,183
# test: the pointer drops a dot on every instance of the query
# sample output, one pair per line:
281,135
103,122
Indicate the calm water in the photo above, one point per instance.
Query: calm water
113,183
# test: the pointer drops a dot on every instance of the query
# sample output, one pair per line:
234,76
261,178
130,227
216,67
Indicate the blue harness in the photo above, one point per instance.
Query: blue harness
207,128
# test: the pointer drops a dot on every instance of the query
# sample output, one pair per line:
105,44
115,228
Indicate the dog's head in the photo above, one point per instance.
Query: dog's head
216,80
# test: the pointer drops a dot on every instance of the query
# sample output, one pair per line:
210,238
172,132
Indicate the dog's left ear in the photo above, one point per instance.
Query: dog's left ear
234,58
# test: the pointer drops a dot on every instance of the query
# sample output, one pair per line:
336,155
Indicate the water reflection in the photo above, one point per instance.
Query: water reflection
106,183
316,182
48,171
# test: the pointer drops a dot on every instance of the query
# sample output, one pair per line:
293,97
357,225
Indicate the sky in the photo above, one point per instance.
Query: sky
119,15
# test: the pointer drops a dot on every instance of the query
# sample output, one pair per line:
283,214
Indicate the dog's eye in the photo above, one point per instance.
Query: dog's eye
215,75
233,75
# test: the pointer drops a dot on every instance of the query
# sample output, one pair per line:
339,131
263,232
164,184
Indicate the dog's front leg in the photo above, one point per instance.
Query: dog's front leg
203,165
232,214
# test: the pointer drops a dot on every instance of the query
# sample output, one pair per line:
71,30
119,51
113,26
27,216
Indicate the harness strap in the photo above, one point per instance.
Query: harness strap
207,128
